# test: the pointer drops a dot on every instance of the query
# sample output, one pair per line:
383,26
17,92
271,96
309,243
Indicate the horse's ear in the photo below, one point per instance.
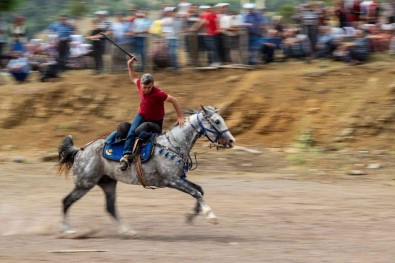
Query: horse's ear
204,110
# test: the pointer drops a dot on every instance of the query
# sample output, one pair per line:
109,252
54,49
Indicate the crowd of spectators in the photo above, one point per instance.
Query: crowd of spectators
211,36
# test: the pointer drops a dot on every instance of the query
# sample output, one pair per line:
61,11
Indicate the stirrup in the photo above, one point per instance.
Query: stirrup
125,160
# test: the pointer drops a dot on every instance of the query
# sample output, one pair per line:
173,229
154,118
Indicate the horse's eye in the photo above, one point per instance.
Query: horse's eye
217,122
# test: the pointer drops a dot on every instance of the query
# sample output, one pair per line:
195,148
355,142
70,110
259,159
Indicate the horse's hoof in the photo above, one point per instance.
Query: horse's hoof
130,234
71,234
213,221
189,217
212,218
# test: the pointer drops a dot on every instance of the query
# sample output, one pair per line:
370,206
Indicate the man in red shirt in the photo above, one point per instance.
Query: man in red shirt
152,109
209,20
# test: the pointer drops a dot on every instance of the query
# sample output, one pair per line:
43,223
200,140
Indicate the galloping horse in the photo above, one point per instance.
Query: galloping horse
90,168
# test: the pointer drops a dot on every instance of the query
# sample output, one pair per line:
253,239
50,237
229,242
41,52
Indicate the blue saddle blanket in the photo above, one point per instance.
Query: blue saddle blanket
114,150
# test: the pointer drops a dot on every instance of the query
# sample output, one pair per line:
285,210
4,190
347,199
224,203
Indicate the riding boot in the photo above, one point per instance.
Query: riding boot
125,160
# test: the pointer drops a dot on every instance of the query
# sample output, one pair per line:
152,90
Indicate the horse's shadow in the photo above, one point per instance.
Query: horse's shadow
192,238
198,238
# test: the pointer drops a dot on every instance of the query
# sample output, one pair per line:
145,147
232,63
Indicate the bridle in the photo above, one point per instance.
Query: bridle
204,131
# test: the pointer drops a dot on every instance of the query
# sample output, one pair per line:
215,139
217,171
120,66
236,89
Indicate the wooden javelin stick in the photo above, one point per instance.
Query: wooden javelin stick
123,50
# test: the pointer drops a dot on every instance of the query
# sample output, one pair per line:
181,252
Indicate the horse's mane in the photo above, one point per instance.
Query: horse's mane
189,112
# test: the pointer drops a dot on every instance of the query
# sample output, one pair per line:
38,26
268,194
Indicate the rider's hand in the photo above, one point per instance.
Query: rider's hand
181,121
131,61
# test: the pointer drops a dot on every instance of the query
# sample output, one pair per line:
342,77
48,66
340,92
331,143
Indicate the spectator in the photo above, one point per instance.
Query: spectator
19,67
389,11
254,22
18,29
356,51
183,8
171,26
269,44
310,23
341,13
233,33
3,36
140,28
120,32
192,41
209,20
370,11
296,45
97,46
277,24
63,30
325,45
223,41
47,67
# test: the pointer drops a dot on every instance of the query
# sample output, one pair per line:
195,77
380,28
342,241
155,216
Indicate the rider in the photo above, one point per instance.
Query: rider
151,109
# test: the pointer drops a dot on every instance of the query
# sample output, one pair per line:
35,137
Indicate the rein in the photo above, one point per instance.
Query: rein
89,143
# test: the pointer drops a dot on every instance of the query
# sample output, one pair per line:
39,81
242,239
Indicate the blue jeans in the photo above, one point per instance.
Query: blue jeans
172,45
139,47
212,49
253,48
129,142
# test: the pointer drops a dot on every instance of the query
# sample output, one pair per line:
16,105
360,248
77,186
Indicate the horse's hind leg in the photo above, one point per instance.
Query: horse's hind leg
187,187
108,185
72,197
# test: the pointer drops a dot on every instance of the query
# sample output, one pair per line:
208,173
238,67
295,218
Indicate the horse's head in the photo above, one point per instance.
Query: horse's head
213,126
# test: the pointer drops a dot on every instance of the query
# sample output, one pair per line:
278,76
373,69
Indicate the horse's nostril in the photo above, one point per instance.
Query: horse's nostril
230,141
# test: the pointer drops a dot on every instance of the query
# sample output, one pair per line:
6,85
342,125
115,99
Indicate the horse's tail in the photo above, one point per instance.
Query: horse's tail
67,152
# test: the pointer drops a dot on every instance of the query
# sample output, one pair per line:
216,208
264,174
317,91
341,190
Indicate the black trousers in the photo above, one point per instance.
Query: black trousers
63,53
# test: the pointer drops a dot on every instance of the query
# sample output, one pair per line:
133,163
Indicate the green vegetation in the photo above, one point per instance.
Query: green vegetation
40,13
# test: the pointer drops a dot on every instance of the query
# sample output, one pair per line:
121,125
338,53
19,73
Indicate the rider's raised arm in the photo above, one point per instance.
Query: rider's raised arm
174,101
132,73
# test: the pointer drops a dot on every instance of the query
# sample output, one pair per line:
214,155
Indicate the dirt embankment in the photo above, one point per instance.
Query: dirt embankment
325,104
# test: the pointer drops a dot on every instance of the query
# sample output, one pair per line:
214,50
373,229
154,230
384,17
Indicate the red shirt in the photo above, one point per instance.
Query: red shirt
152,105
210,23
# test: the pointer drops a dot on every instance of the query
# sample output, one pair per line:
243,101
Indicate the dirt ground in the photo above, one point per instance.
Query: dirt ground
312,178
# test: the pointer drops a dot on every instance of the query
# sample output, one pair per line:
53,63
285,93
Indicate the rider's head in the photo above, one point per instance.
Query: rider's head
147,82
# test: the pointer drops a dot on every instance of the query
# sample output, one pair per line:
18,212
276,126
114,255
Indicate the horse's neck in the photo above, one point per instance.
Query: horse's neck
182,137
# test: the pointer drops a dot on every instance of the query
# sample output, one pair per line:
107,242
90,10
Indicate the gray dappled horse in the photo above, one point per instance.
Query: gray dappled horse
90,168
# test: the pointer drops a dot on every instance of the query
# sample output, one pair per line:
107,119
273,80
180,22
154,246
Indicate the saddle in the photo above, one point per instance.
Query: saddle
144,144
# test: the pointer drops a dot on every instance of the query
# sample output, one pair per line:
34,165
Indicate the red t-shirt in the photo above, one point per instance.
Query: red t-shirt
152,105
211,23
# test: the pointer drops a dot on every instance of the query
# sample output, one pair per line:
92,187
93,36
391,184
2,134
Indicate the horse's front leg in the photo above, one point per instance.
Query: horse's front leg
191,216
190,188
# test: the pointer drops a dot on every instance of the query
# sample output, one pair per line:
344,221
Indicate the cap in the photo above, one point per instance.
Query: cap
221,5
169,9
249,6
101,13
147,78
204,7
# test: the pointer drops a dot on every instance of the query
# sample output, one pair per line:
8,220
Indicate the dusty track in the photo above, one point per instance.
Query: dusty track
265,217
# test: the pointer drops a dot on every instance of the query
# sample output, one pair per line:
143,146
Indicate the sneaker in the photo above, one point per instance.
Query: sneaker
215,65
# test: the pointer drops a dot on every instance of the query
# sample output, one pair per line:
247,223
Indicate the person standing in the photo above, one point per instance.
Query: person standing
254,22
119,30
3,36
171,27
63,30
97,46
152,109
140,28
